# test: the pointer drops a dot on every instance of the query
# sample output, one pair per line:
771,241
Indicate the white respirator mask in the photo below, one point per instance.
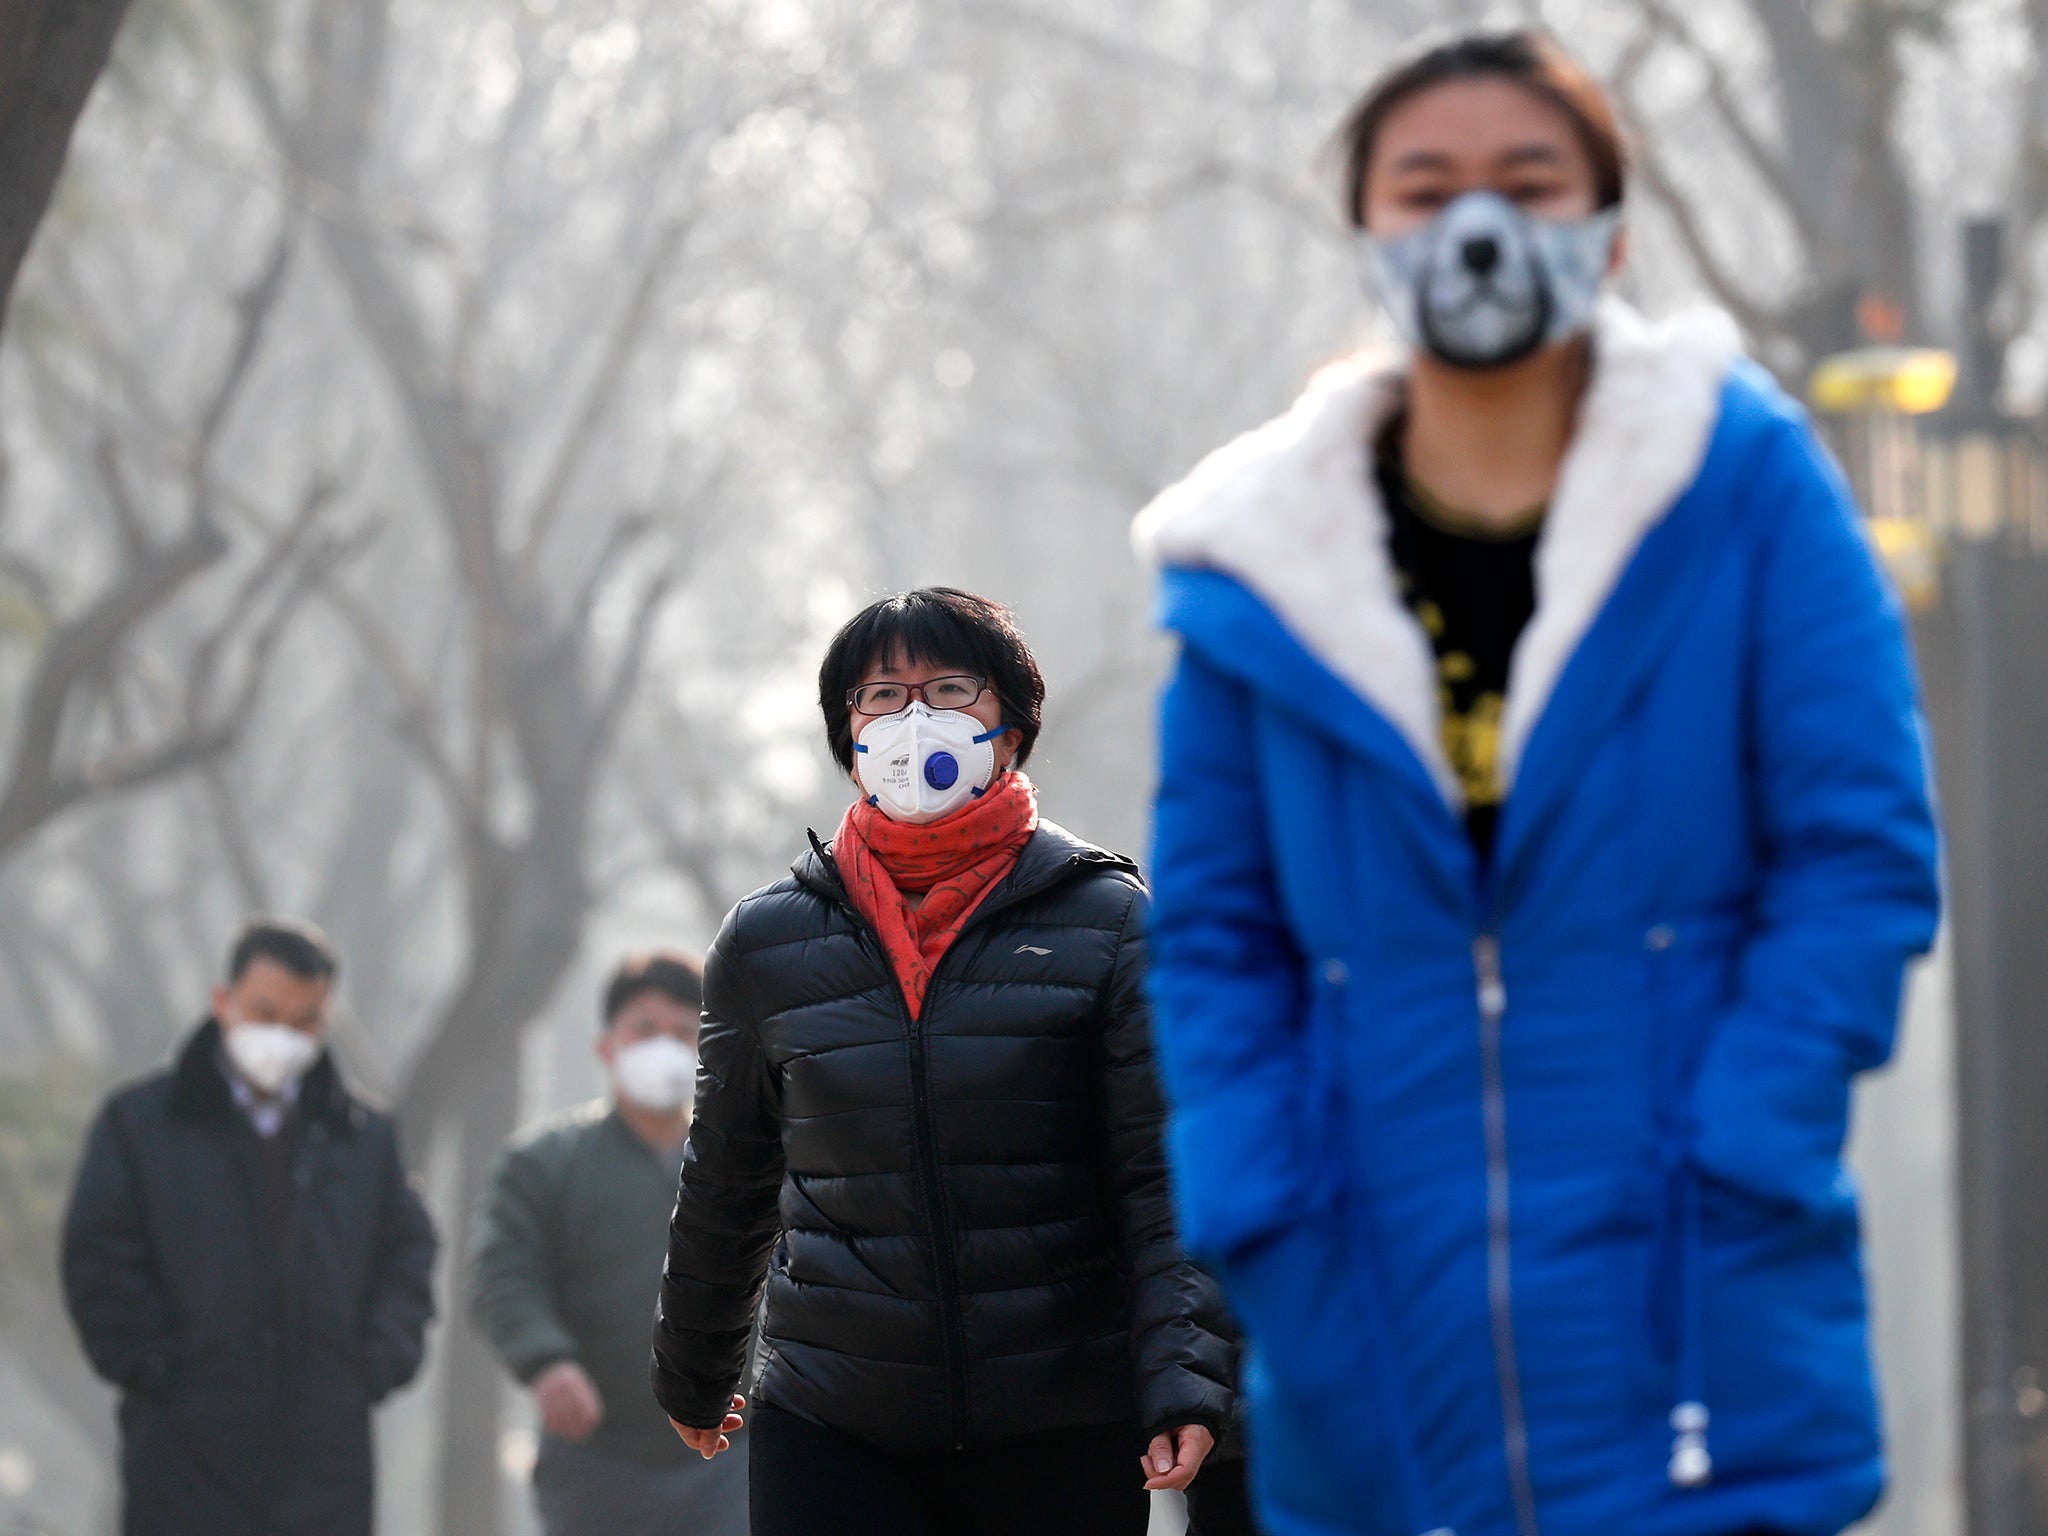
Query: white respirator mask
1485,284
920,764
269,1056
657,1073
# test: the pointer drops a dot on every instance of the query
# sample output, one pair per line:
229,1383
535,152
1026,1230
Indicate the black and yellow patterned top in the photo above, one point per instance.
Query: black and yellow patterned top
1472,588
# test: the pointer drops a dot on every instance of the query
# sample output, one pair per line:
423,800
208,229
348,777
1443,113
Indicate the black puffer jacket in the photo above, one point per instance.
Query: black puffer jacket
975,1230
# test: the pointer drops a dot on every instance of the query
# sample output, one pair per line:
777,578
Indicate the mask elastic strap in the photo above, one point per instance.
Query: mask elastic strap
976,794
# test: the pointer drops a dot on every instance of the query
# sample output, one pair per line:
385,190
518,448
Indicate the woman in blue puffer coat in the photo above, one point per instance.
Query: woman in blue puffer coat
1543,832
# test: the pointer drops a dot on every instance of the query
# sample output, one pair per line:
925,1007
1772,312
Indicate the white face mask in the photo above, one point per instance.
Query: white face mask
269,1056
1484,283
656,1073
920,764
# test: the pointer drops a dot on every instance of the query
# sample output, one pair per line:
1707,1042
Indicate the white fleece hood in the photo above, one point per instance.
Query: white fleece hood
1290,510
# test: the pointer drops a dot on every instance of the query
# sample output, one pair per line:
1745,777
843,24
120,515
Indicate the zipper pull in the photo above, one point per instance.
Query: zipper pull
1493,992
1692,1465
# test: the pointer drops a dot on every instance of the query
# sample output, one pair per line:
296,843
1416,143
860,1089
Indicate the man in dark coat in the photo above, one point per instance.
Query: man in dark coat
245,1259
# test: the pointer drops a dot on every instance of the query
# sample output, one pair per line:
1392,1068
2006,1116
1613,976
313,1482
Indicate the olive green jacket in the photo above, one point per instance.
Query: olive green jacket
566,1259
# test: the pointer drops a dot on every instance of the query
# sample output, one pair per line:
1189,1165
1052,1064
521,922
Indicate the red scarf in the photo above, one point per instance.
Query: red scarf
954,863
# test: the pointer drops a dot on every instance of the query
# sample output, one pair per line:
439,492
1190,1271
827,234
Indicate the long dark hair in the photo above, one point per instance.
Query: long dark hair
1532,59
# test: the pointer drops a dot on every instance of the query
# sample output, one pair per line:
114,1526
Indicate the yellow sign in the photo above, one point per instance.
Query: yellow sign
1911,381
1910,552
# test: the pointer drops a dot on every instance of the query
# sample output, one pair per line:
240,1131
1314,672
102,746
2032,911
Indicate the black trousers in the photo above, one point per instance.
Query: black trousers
1219,1502
807,1480
586,1492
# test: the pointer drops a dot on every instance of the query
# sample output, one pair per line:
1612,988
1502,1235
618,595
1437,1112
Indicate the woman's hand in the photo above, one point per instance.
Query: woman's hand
709,1442
1168,1465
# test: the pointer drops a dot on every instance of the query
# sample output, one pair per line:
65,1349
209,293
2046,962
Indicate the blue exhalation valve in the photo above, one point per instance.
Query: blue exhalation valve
941,771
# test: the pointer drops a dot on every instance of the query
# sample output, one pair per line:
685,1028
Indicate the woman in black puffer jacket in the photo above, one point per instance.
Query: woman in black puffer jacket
927,1118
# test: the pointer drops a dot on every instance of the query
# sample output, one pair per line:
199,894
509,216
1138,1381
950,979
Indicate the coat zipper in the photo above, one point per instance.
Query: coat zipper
1500,1288
953,1337
945,1268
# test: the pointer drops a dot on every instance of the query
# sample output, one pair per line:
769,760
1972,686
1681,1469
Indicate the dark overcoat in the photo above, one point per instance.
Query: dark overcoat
247,1367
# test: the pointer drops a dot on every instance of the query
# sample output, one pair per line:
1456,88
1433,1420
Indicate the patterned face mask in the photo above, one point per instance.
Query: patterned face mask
1484,284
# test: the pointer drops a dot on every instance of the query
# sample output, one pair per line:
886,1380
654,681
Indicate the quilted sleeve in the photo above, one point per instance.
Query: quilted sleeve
725,1220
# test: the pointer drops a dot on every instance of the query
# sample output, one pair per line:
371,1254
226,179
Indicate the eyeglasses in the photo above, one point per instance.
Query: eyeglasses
956,690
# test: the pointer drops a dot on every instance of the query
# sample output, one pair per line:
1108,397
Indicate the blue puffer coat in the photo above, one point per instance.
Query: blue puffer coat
1526,1182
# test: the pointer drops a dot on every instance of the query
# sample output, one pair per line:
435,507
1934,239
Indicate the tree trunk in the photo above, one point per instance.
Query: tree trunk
526,926
51,52
375,915
473,1386
1837,100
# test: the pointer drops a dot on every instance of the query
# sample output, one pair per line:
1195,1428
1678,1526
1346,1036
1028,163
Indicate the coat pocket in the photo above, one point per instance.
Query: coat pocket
1785,1332
1328,1437
1757,1298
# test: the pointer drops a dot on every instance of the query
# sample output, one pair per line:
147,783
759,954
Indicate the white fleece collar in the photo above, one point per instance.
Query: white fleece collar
1291,511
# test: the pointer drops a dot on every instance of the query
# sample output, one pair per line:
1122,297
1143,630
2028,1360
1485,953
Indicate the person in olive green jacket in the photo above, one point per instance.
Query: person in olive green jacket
566,1261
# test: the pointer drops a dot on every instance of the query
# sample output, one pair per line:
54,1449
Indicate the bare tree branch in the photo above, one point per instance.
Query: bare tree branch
627,533
286,548
254,305
231,827
1116,53
115,775
618,693
526,109
1756,315
689,855
37,788
415,705
628,333
328,151
1763,157
35,584
128,522
1105,201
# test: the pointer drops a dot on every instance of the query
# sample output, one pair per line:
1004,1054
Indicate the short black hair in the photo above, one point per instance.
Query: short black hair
673,975
1528,56
299,947
940,627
